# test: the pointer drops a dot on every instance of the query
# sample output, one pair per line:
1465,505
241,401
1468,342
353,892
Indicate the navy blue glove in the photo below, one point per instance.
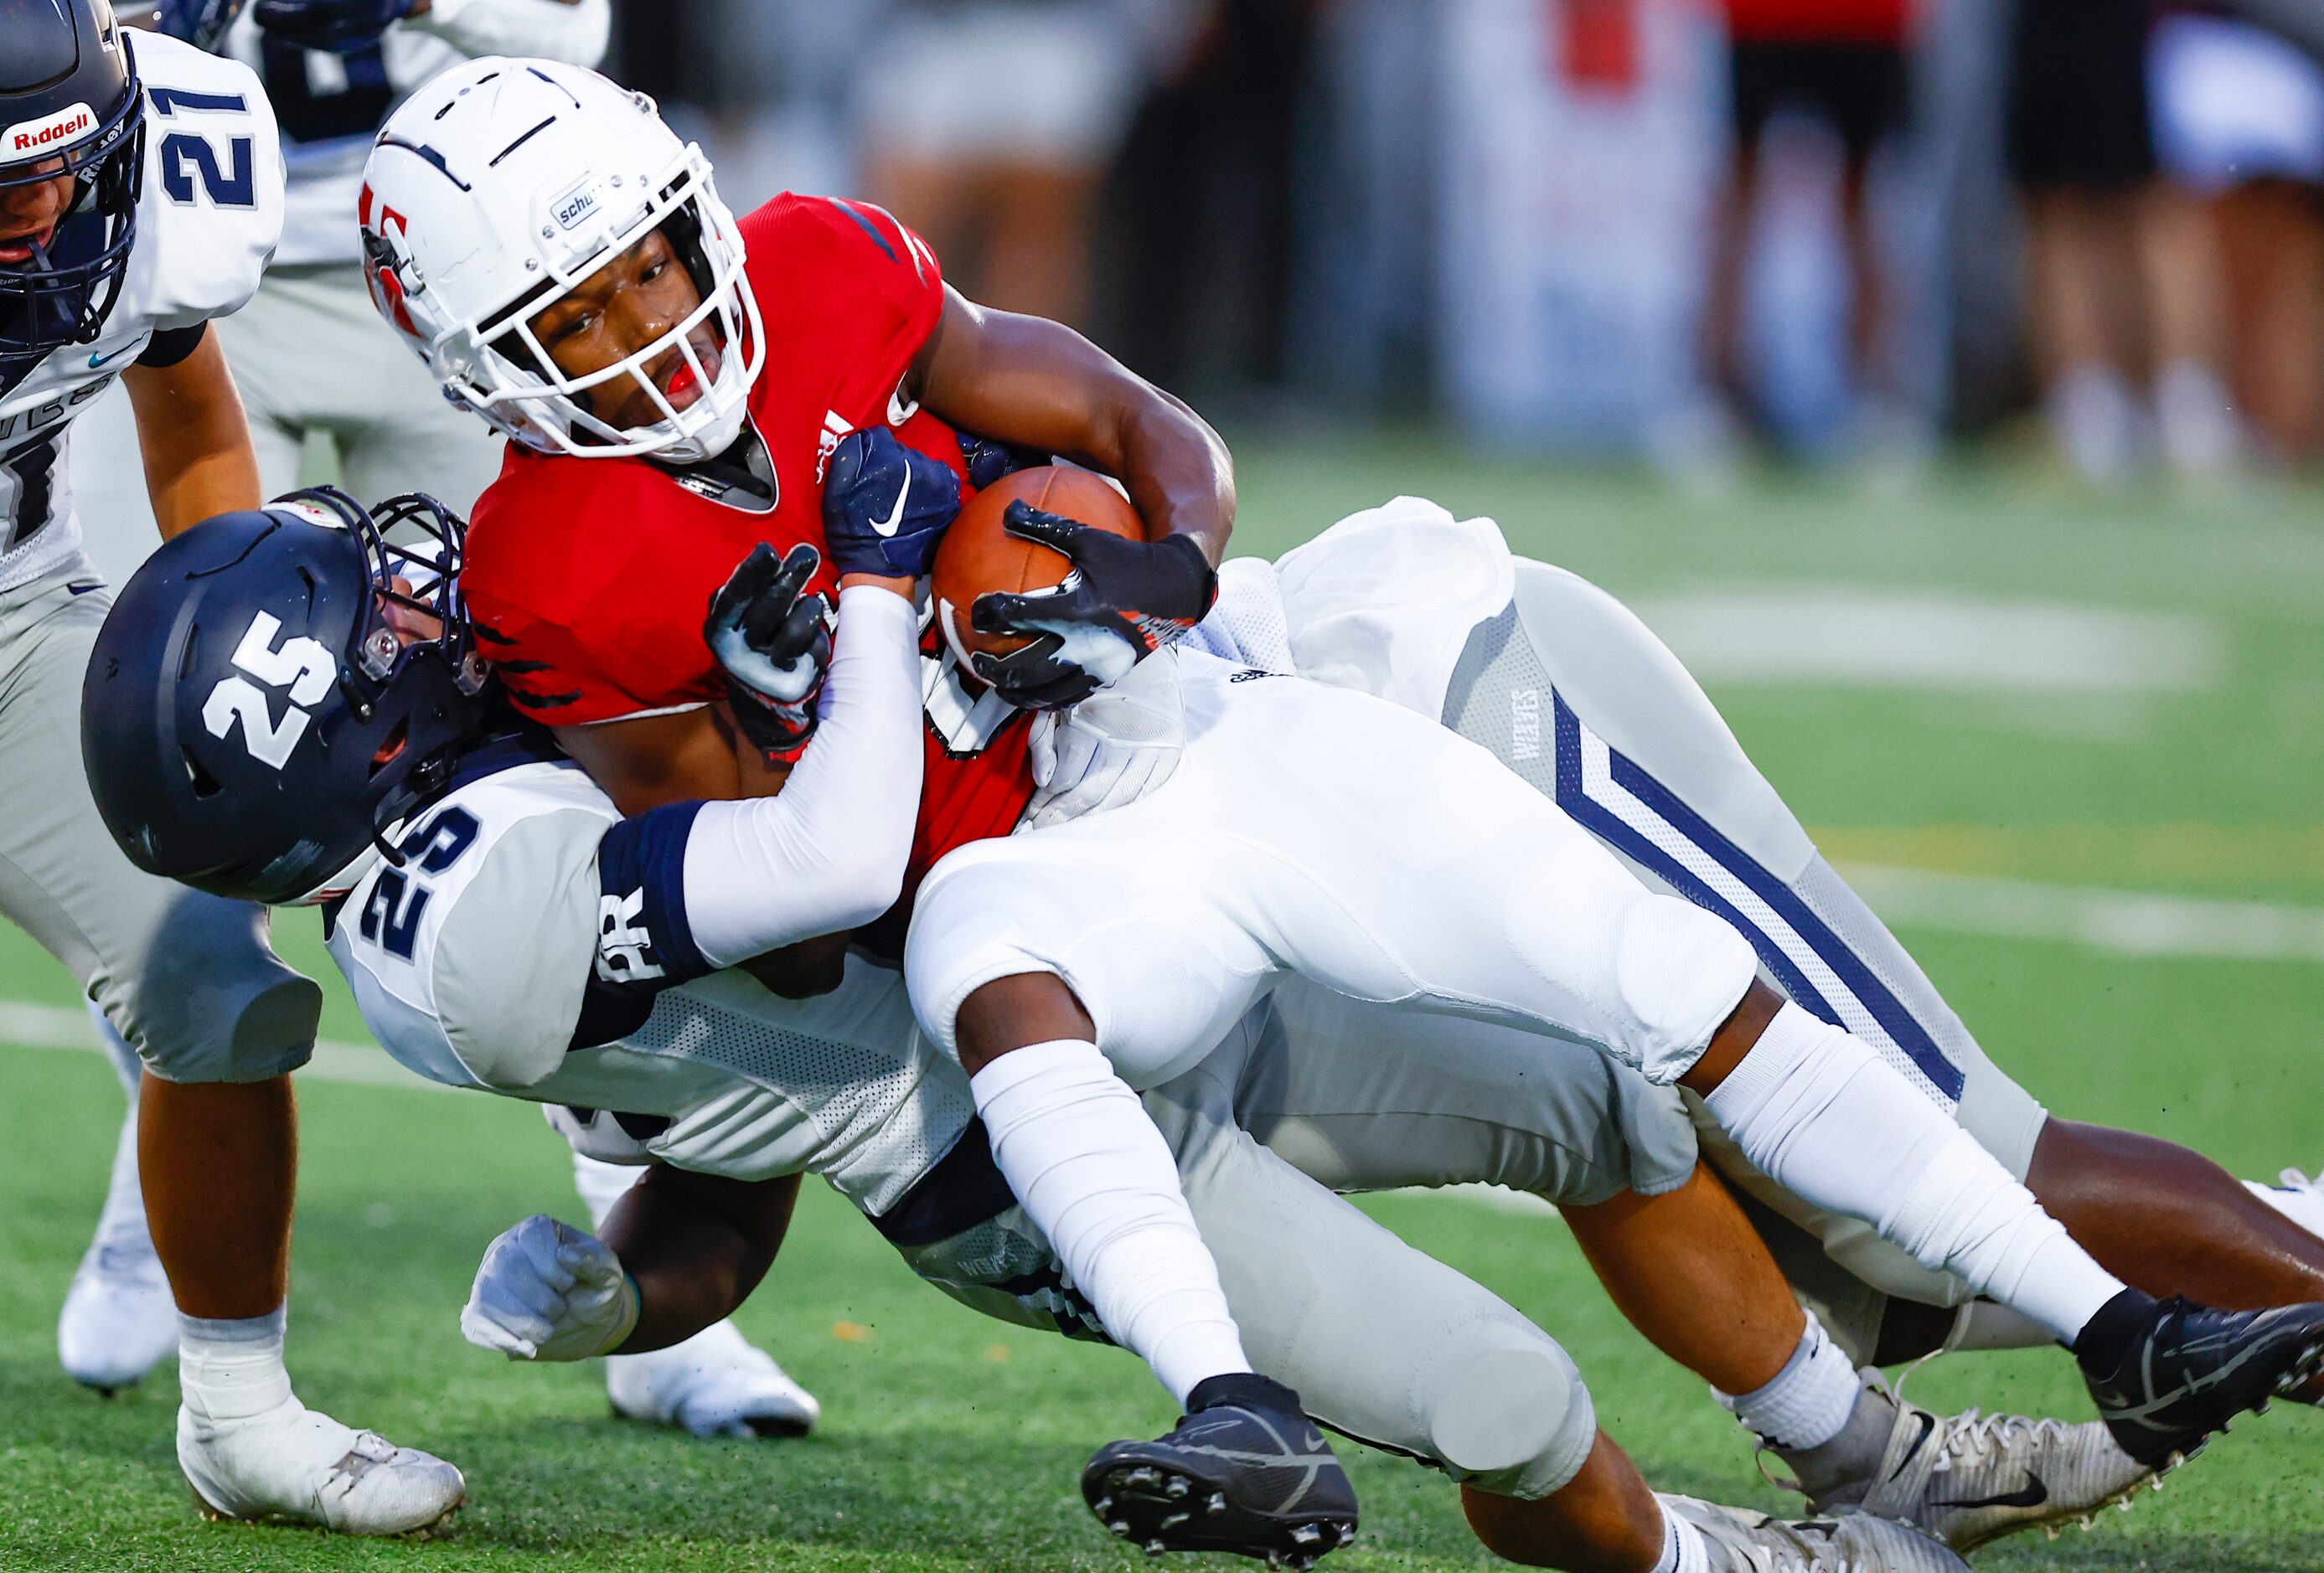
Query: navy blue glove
989,459
1122,600
885,506
340,26
773,645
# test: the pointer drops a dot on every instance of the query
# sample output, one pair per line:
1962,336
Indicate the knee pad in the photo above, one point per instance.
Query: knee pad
1517,1420
1650,976
1159,997
212,1002
1679,971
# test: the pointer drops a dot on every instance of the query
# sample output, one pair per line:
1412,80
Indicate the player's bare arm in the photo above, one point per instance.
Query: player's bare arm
695,1245
644,761
194,437
1039,385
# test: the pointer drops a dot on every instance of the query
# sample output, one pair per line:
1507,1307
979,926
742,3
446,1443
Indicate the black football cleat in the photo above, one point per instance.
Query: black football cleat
1245,1471
2168,1374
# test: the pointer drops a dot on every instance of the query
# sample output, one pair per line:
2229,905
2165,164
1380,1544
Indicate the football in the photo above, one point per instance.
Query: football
979,555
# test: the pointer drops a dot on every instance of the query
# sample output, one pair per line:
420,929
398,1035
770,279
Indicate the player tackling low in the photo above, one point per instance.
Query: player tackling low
675,381
730,1093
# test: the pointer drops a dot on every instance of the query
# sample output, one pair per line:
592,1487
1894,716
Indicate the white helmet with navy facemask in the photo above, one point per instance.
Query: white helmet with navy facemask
498,187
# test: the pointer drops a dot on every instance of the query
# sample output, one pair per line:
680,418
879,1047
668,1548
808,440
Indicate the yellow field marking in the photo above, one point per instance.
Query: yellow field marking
2278,856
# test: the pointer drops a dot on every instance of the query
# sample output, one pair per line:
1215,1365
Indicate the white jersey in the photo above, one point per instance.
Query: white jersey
331,105
528,915
210,211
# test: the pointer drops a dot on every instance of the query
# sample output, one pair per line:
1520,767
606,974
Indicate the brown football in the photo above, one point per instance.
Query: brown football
978,555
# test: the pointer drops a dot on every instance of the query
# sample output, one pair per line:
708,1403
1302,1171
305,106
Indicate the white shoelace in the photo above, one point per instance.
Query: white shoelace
1978,1435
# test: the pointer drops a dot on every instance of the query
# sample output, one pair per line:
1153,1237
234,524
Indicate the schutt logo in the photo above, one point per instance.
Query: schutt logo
574,207
43,133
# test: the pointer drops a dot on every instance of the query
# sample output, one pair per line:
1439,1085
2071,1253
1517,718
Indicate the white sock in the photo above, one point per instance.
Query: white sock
1091,1170
1825,1118
1683,1551
602,1184
1808,1402
230,1370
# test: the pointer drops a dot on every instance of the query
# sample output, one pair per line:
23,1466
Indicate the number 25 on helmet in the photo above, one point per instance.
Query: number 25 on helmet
270,697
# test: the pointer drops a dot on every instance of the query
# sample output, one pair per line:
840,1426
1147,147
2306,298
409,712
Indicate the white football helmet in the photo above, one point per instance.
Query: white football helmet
498,187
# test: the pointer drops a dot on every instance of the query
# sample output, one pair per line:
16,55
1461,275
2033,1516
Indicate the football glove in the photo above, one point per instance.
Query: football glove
989,459
1113,747
545,1291
339,26
770,638
885,506
1122,600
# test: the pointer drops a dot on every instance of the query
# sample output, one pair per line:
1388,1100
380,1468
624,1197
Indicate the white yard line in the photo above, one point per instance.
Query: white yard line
2125,923
51,1027
1859,635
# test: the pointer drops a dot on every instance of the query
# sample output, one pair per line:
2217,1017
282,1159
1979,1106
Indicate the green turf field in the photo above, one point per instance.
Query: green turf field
952,1442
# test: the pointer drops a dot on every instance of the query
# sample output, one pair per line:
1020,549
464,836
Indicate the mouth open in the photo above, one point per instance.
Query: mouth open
680,384
18,249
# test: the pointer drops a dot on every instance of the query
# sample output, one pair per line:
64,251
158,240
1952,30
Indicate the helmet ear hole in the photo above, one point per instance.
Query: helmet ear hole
393,748
205,784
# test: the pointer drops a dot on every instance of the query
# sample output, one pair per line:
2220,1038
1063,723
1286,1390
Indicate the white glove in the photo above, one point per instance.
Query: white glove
1113,747
547,1292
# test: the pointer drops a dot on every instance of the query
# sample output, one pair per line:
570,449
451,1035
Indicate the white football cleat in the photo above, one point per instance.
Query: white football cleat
2297,1197
716,1384
1741,1541
1969,1479
118,1321
297,1465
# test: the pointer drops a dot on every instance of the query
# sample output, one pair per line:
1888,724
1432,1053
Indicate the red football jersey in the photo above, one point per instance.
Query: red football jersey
588,579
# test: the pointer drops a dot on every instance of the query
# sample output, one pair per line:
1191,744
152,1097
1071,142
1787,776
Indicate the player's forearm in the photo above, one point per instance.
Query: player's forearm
1177,470
1028,381
696,1247
646,761
193,438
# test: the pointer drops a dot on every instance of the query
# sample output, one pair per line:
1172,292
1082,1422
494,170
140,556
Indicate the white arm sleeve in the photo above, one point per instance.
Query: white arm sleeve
571,31
828,853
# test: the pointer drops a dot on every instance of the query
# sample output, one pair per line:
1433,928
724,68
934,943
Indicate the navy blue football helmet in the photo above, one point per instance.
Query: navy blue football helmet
271,693
70,105
200,23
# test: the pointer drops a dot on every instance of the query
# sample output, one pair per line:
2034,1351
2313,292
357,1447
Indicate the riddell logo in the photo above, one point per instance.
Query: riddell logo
64,126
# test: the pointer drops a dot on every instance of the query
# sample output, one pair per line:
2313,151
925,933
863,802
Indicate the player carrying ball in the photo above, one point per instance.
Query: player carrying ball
670,376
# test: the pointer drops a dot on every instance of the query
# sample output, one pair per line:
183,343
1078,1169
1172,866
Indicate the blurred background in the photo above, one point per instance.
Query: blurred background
1836,232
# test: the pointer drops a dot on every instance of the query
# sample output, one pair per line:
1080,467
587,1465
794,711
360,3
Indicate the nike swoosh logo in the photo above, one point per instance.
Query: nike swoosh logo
2033,1494
94,360
889,526
85,587
1928,1424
